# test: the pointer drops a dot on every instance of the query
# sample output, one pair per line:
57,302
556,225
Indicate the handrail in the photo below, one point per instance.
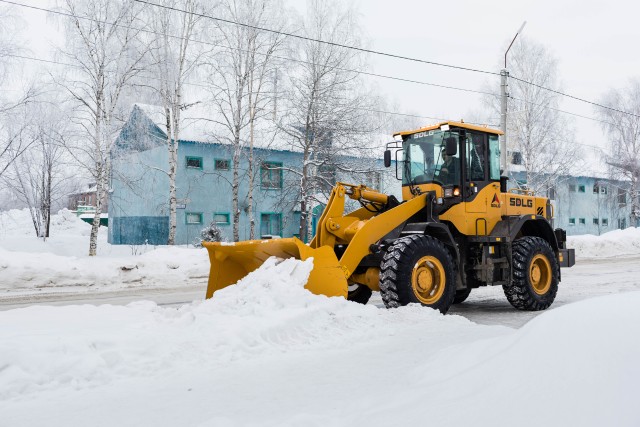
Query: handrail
522,191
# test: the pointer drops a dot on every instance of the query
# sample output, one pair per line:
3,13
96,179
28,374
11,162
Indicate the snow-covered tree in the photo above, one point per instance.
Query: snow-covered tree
174,58
238,79
535,128
621,124
103,41
326,115
39,176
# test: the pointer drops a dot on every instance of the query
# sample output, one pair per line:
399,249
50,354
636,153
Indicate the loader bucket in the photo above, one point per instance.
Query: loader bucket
231,262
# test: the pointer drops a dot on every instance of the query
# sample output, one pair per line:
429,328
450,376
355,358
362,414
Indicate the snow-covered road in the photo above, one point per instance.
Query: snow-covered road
268,353
488,305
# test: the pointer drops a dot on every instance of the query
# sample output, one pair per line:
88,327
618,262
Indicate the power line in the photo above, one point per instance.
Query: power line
383,76
307,62
378,53
205,86
557,92
284,33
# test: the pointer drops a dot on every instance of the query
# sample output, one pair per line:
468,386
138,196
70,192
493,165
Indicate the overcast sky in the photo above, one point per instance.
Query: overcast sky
595,43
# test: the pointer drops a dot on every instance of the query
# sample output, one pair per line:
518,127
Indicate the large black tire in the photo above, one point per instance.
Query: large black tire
536,274
461,296
417,269
359,294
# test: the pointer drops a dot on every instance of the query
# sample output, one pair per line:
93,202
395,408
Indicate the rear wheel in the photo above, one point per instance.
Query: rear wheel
536,274
418,269
359,293
461,296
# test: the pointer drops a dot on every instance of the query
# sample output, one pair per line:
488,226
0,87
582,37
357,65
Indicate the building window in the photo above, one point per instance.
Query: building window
572,221
221,165
605,222
516,158
595,221
193,217
595,189
271,224
572,188
582,221
221,218
622,223
194,162
622,196
581,189
271,175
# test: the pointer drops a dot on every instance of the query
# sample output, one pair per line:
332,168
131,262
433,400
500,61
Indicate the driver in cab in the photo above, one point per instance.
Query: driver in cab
449,171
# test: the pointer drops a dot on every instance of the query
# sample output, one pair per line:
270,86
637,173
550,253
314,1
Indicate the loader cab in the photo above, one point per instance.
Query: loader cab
453,159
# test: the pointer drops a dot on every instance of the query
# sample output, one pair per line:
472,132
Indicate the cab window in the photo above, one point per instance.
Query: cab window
475,156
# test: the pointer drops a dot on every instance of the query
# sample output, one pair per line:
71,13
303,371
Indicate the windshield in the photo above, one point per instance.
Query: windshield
426,161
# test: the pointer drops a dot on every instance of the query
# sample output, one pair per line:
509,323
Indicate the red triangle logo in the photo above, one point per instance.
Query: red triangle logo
495,203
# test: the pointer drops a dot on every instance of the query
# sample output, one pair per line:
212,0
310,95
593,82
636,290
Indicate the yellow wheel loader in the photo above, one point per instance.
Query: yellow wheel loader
456,229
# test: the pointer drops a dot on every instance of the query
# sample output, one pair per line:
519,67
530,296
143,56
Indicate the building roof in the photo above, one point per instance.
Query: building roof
452,124
197,125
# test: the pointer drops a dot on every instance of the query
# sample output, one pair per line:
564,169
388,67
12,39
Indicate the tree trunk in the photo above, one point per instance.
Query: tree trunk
252,223
235,189
172,144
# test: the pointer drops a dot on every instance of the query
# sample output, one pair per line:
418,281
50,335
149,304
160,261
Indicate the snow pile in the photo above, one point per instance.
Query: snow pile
267,313
167,267
612,244
18,222
267,352
61,264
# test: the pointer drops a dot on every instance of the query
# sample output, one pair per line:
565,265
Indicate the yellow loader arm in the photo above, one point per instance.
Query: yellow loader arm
330,276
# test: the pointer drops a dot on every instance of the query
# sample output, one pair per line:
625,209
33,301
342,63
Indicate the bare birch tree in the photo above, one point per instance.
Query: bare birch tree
327,118
103,41
174,59
37,177
238,81
535,127
12,141
621,125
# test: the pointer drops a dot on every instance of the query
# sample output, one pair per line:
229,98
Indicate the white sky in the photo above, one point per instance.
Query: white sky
594,42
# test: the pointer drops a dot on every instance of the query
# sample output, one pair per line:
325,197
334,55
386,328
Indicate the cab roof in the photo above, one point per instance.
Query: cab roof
452,124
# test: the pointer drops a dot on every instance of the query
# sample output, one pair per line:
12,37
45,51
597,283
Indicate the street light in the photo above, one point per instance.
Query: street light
514,39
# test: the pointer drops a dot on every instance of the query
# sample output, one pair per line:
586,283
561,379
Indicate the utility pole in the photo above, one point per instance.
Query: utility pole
504,94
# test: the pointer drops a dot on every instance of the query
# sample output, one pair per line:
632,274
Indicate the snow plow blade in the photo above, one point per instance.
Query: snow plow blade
232,262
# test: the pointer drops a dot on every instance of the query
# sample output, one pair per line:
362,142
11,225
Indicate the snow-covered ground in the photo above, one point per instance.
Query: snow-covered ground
268,353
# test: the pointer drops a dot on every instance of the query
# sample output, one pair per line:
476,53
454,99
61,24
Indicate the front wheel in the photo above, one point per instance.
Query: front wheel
536,274
418,269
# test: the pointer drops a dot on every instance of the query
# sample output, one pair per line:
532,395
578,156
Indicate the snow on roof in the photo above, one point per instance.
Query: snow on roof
197,125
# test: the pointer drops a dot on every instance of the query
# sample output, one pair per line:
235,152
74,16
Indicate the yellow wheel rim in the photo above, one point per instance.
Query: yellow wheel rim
428,280
540,274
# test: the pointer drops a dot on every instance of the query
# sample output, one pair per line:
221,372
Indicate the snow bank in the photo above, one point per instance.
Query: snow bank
61,264
268,312
612,244
167,267
267,352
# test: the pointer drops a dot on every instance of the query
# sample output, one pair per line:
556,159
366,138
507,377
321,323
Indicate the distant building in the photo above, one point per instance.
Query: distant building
85,199
587,204
139,189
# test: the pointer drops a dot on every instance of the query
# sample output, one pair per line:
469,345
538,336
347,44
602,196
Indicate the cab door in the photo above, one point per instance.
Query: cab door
476,173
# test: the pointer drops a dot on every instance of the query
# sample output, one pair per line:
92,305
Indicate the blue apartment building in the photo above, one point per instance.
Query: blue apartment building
139,190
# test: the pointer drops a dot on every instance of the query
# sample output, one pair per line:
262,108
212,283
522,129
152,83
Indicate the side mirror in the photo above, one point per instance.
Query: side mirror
387,158
451,147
